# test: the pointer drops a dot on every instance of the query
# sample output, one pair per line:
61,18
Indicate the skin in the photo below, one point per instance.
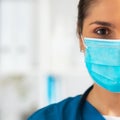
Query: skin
103,21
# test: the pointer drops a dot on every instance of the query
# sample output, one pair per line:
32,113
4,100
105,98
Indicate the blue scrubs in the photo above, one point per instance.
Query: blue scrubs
67,109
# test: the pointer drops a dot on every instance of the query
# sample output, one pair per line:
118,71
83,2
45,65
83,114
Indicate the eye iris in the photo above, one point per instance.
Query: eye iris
102,31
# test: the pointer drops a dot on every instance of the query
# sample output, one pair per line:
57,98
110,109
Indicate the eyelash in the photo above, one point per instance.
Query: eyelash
106,32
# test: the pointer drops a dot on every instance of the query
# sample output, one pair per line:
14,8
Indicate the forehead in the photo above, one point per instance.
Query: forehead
105,10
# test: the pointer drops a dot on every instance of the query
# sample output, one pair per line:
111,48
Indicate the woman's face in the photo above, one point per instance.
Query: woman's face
103,20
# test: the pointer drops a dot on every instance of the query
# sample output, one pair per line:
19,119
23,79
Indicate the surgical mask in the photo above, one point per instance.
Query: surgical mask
102,58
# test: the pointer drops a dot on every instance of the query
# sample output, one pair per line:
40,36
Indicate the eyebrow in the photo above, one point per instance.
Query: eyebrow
102,23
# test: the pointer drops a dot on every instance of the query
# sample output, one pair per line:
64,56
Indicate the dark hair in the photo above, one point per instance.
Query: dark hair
83,7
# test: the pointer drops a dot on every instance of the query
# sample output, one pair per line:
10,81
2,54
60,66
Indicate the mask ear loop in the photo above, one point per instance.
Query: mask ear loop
83,50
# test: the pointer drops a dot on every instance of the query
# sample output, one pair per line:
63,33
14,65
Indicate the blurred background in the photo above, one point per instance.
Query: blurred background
40,59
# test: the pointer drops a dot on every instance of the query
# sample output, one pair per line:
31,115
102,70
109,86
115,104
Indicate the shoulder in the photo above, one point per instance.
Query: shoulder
57,110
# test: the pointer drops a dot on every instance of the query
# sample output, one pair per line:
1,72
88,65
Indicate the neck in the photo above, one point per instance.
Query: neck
105,102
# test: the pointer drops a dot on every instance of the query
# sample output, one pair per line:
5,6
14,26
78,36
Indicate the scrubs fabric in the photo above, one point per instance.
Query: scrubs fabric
67,109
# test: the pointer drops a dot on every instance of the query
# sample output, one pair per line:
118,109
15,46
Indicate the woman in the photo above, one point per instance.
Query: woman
99,33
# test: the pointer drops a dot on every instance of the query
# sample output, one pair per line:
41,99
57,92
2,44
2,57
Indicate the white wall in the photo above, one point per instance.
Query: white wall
59,52
19,82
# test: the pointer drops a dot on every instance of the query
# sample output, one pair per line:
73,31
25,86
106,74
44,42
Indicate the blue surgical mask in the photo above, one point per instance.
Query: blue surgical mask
102,58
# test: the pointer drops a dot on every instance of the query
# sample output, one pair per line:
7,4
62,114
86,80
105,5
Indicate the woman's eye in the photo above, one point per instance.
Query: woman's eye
102,31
